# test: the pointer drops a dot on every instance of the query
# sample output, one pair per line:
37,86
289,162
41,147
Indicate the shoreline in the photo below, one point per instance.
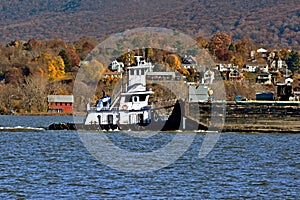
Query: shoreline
238,118
257,129
42,114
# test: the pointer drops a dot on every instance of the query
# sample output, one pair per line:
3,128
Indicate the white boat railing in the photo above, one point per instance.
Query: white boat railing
115,102
94,108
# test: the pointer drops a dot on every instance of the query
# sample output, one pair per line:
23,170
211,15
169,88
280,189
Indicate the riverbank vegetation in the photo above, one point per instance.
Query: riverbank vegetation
31,70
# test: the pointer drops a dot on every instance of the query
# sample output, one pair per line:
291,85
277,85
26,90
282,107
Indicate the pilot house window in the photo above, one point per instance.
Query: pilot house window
135,99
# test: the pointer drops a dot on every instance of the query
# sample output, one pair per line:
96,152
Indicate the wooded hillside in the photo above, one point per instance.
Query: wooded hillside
267,22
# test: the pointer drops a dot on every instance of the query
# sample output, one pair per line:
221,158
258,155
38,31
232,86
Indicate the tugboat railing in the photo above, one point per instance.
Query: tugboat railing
94,109
115,102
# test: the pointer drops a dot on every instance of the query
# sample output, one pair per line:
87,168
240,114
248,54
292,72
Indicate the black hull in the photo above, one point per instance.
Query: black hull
73,126
176,121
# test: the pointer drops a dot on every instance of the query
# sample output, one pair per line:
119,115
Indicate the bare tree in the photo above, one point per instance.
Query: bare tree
35,93
8,96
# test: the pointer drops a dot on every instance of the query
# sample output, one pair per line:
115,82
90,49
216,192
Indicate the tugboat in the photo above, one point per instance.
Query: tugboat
133,110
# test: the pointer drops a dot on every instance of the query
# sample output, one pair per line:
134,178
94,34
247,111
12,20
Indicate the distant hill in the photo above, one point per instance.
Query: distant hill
273,23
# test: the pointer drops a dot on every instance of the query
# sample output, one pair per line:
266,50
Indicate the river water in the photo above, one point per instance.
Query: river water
56,165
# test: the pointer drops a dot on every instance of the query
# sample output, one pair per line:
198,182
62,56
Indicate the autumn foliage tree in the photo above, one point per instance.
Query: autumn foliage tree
203,42
174,61
220,46
73,57
243,48
84,46
56,66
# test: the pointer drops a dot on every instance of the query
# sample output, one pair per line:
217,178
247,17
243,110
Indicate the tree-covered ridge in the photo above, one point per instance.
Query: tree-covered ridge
269,23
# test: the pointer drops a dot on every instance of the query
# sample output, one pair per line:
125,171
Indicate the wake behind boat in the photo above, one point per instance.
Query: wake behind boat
21,129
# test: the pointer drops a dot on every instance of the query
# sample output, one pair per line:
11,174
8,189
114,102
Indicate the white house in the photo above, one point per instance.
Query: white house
251,68
209,77
235,74
262,52
278,64
264,78
116,66
289,81
189,62
222,68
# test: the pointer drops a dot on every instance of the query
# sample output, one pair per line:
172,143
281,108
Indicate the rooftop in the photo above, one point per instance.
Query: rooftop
61,98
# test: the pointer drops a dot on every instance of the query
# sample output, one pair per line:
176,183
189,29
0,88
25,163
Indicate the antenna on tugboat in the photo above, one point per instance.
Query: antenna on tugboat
128,51
144,53
128,65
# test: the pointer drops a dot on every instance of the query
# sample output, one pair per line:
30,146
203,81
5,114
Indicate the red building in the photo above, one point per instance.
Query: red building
60,103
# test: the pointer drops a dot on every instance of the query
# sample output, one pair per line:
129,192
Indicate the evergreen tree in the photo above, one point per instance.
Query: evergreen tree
293,61
63,54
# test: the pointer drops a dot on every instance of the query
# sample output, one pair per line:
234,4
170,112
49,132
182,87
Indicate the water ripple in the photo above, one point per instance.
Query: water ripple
56,165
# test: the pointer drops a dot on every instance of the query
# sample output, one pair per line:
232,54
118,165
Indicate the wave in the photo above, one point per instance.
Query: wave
21,129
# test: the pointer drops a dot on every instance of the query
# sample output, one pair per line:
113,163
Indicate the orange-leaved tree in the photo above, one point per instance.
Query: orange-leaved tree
174,61
56,67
